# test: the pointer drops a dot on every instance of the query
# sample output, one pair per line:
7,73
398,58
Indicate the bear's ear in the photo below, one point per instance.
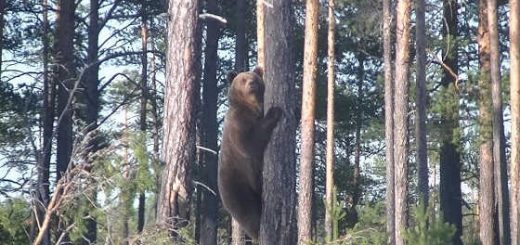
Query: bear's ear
259,71
231,75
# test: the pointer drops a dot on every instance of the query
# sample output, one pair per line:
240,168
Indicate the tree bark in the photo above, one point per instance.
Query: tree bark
514,34
179,124
486,199
499,152
279,185
307,122
450,166
260,32
421,97
210,129
389,121
329,184
402,67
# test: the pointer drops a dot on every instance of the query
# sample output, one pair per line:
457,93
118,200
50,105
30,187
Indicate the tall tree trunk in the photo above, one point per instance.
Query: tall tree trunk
307,127
499,151
514,34
91,83
401,118
421,96
49,96
260,32
279,182
241,41
450,166
389,121
486,199
210,126
179,123
329,183
144,100
64,75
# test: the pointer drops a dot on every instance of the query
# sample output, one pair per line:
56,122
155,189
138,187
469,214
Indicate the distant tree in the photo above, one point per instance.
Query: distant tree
514,34
402,58
389,121
210,128
279,182
486,200
499,150
420,102
329,185
450,165
47,114
173,209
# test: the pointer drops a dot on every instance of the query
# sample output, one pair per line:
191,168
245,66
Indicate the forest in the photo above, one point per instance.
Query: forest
399,121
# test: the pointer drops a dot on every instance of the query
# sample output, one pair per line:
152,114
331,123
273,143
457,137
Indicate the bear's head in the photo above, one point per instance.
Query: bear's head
247,90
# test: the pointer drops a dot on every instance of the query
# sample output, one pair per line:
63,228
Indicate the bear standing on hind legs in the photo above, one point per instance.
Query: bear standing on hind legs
246,134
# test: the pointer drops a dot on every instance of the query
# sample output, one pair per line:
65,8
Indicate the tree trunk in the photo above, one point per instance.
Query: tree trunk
421,97
486,132
49,96
210,128
91,82
237,235
329,184
450,166
279,185
401,118
64,75
499,152
389,121
514,34
179,124
241,41
307,127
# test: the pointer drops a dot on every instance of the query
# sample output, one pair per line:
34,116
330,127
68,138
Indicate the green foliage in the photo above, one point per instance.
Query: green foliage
14,216
429,228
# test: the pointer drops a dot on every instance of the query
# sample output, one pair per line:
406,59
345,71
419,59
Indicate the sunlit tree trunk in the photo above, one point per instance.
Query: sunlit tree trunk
279,185
514,34
329,184
486,205
179,119
389,121
260,32
310,55
420,102
499,152
402,67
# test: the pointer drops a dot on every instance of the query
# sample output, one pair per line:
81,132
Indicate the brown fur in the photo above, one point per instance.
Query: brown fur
246,134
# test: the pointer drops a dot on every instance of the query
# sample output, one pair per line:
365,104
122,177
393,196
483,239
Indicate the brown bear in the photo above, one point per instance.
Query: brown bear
246,134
